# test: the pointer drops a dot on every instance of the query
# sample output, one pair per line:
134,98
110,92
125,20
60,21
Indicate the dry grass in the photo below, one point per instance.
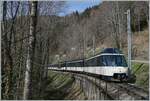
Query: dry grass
141,44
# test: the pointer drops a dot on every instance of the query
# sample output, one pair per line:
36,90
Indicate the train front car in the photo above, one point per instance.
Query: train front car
113,65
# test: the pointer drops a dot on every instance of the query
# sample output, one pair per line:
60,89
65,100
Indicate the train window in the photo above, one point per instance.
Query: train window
55,65
91,62
79,64
63,65
74,64
68,64
71,64
112,60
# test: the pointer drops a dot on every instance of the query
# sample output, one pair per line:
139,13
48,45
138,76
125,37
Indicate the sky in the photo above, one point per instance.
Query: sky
79,5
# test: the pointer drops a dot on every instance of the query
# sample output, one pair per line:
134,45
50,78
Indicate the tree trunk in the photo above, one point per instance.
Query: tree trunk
7,59
30,52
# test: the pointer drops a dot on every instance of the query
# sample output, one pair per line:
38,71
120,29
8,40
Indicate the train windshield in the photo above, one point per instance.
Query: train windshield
113,60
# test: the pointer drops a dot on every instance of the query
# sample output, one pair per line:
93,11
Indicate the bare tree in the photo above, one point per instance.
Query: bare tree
8,35
15,47
31,47
7,61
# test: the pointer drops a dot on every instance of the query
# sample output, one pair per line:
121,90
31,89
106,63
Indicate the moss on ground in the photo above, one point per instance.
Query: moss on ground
141,71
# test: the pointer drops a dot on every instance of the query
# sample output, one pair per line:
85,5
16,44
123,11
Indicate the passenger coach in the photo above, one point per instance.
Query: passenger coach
110,64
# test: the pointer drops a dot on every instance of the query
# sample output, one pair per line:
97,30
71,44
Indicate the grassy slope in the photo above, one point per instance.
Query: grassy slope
62,86
142,74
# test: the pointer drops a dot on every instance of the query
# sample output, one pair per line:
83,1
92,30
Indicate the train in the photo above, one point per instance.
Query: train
110,64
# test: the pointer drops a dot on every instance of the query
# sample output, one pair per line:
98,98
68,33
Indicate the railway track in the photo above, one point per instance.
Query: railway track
121,91
115,90
135,91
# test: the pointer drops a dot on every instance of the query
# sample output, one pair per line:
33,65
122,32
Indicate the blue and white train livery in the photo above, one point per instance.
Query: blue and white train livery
110,64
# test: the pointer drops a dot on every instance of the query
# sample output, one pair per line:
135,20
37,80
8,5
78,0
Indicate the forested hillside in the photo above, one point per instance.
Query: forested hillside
102,26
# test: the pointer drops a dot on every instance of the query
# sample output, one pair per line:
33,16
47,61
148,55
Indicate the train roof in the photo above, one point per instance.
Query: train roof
76,60
106,51
111,50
